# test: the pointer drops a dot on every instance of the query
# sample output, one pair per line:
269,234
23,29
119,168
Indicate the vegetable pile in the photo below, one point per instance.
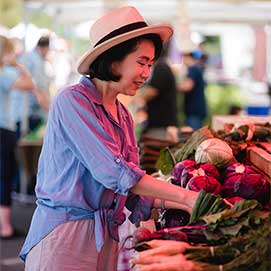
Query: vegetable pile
229,228
222,238
212,167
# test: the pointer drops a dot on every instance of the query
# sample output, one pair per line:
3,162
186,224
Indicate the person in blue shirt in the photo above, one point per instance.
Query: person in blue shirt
89,164
12,76
193,86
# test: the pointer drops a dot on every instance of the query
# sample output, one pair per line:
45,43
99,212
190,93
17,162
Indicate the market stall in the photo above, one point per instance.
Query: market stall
229,227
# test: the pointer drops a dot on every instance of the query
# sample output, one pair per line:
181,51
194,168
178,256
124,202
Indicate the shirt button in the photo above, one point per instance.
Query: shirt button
117,160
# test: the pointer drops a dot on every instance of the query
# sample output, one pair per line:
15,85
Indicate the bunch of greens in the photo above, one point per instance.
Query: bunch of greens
245,251
206,204
223,238
237,238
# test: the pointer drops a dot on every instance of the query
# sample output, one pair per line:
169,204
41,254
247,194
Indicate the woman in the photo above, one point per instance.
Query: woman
88,168
12,76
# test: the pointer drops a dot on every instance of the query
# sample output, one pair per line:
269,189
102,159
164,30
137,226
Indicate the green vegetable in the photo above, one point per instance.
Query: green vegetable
206,203
246,251
187,151
166,161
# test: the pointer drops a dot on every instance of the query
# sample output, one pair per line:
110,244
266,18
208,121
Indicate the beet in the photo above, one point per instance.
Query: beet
206,183
141,234
211,170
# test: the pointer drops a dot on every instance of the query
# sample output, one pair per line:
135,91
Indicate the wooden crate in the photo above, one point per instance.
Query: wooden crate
220,122
261,159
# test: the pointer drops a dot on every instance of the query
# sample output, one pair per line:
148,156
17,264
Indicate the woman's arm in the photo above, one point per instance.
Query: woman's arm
168,204
174,196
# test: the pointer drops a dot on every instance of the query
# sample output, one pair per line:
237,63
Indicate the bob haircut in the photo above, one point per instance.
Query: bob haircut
101,68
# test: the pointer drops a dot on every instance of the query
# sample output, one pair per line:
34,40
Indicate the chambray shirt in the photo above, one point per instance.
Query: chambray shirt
87,165
8,76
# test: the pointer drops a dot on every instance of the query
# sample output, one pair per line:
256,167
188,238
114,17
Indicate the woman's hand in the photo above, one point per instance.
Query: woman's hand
164,255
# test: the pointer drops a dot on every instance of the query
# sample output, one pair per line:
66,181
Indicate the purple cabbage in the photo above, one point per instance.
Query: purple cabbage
243,181
178,170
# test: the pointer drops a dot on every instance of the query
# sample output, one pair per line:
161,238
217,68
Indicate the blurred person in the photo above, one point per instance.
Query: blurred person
193,87
39,103
18,109
62,63
160,94
203,56
18,98
12,76
89,164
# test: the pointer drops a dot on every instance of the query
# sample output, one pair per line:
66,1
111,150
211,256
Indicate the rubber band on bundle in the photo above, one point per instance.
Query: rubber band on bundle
212,252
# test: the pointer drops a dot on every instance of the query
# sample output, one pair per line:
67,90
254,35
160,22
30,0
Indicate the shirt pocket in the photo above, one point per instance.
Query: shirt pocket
132,154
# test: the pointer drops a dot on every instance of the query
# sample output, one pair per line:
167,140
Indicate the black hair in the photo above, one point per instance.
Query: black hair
101,68
43,42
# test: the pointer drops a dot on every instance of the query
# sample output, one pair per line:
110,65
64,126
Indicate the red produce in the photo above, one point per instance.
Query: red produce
243,181
210,170
206,183
178,170
232,200
199,170
189,173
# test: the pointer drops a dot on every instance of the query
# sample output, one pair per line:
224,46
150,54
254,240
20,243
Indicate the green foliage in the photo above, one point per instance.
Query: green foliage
40,19
11,12
166,161
221,97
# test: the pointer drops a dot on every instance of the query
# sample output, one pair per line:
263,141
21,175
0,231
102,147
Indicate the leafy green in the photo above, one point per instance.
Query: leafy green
166,161
187,151
206,203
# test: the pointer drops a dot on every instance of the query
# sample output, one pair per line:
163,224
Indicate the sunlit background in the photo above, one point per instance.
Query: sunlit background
236,34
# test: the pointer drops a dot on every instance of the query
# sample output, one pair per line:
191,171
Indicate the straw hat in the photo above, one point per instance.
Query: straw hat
116,27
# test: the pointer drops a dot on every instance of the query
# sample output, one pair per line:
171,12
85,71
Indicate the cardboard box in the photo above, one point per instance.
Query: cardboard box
219,122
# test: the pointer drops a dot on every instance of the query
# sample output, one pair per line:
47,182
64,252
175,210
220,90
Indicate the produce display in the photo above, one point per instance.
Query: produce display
229,227
220,237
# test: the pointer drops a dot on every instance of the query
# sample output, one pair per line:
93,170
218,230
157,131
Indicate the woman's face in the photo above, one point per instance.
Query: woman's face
135,68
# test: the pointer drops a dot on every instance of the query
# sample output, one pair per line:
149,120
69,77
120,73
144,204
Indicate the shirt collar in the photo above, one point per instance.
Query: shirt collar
91,90
96,96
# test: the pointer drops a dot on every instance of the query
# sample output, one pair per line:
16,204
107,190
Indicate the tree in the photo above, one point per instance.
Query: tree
11,12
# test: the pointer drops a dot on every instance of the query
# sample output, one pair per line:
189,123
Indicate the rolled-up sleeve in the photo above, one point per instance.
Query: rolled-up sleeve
140,207
75,116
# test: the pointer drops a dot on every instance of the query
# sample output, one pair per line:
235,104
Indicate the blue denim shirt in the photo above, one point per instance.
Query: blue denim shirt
87,165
